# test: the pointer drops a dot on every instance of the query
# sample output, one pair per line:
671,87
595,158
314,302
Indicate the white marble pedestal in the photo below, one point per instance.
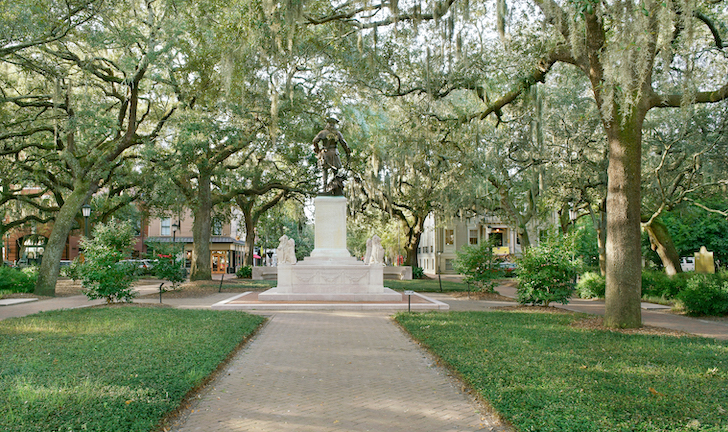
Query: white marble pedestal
330,273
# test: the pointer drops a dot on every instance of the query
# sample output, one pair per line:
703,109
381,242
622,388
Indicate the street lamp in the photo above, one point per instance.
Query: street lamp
86,209
175,227
438,264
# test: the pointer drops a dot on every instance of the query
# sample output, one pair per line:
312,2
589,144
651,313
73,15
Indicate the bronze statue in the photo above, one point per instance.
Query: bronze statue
328,154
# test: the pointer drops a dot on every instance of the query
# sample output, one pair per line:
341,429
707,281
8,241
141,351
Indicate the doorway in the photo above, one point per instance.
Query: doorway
219,262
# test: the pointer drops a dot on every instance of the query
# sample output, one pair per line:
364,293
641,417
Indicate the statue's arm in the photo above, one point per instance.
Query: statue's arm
344,144
316,140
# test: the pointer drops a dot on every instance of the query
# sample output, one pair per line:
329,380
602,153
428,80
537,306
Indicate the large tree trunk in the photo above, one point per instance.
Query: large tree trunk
414,234
661,242
624,254
249,236
201,231
51,264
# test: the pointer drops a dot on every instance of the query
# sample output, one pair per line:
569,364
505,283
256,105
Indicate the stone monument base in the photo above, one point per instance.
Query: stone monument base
330,273
342,279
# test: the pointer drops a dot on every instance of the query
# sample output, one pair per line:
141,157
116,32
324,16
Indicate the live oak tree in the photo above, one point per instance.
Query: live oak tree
96,90
637,57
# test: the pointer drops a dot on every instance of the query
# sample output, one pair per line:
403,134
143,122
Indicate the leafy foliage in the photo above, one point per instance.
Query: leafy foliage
169,264
479,265
591,285
547,272
659,284
102,273
17,280
418,272
244,272
692,228
705,295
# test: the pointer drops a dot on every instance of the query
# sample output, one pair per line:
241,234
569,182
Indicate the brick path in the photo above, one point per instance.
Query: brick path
333,371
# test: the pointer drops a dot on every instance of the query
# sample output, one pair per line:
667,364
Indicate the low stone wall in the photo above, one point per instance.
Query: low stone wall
265,273
399,273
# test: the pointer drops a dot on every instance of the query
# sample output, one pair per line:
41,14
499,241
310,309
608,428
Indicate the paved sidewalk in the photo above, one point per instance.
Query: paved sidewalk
333,371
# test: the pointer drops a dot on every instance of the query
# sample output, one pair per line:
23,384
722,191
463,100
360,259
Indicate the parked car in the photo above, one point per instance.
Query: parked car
509,268
687,263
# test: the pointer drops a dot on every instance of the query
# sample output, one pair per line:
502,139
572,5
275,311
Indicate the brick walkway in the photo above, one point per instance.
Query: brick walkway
333,371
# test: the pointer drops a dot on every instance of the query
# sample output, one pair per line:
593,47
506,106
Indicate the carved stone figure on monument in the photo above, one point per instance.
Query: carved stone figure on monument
328,154
368,254
286,250
375,251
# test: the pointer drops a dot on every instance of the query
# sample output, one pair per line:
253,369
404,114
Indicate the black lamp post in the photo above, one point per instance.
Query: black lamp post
438,264
86,209
175,227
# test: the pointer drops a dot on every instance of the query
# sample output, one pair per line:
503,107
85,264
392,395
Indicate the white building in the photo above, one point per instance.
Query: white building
441,240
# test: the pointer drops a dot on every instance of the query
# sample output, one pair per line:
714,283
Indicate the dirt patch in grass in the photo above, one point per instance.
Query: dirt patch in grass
477,295
595,322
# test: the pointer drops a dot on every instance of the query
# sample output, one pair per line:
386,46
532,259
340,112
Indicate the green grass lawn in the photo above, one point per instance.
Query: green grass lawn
426,285
541,374
110,368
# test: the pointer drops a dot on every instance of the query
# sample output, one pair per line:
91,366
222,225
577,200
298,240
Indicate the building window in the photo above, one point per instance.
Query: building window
448,265
449,237
217,227
473,237
166,227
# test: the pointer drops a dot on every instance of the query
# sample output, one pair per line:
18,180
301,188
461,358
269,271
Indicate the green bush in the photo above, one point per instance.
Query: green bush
547,273
73,271
244,272
656,283
169,264
418,272
102,273
591,285
18,281
705,295
479,265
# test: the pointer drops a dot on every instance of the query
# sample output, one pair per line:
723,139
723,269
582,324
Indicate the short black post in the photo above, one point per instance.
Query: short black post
439,278
222,276
160,292
409,303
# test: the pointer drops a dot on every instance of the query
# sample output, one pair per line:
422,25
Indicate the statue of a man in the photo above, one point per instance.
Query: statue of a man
330,139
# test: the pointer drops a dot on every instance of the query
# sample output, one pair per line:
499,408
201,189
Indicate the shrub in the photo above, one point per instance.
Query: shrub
244,272
479,266
591,285
705,295
656,283
169,265
547,272
73,271
17,280
102,273
418,272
